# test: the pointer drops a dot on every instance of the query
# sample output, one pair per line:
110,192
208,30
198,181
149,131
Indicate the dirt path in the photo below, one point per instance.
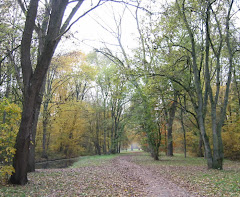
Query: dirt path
149,182
118,177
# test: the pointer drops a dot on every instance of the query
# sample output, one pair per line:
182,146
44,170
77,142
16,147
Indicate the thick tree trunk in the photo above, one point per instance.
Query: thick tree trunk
217,124
20,160
170,143
217,159
31,156
154,152
208,151
155,156
33,76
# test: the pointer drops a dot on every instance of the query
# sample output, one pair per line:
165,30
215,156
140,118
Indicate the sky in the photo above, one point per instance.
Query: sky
93,30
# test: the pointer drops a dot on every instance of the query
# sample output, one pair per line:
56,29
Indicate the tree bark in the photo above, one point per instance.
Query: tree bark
33,81
31,156
20,160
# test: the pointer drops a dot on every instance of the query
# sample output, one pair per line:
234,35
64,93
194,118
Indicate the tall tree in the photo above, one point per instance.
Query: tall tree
204,86
34,75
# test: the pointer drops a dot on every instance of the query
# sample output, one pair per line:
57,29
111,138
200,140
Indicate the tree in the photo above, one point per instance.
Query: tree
113,89
33,79
200,53
215,159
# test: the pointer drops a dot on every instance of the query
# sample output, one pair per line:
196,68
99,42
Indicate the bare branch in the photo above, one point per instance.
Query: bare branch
66,27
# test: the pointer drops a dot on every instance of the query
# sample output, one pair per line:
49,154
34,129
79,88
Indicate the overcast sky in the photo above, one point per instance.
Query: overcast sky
93,29
88,32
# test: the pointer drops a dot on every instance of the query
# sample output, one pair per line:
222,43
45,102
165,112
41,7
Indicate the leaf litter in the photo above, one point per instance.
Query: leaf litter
127,175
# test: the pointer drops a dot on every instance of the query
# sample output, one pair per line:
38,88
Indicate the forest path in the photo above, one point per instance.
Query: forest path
147,181
125,175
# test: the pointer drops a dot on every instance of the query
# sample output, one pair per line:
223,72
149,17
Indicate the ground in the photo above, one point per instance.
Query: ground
134,174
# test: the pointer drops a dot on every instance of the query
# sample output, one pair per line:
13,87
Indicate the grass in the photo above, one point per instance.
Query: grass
192,173
96,160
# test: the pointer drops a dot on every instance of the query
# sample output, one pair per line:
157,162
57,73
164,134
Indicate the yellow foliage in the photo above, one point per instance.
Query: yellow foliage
5,172
10,115
68,127
231,139
192,142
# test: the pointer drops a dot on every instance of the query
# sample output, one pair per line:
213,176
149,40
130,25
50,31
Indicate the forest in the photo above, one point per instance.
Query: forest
176,91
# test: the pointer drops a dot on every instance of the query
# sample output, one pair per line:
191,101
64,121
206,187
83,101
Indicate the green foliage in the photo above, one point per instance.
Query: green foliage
10,115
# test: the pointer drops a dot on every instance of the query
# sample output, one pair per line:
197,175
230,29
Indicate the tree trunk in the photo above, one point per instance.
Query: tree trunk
33,80
200,146
207,148
20,160
217,125
155,152
184,135
165,137
201,105
31,156
104,129
169,143
170,125
97,144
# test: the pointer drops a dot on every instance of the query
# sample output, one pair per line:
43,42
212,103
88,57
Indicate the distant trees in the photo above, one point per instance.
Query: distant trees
79,116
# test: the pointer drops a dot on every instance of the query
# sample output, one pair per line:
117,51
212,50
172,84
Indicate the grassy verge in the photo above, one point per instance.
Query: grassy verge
192,173
96,160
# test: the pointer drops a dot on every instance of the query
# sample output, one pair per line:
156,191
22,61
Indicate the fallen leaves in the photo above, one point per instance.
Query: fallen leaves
131,175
